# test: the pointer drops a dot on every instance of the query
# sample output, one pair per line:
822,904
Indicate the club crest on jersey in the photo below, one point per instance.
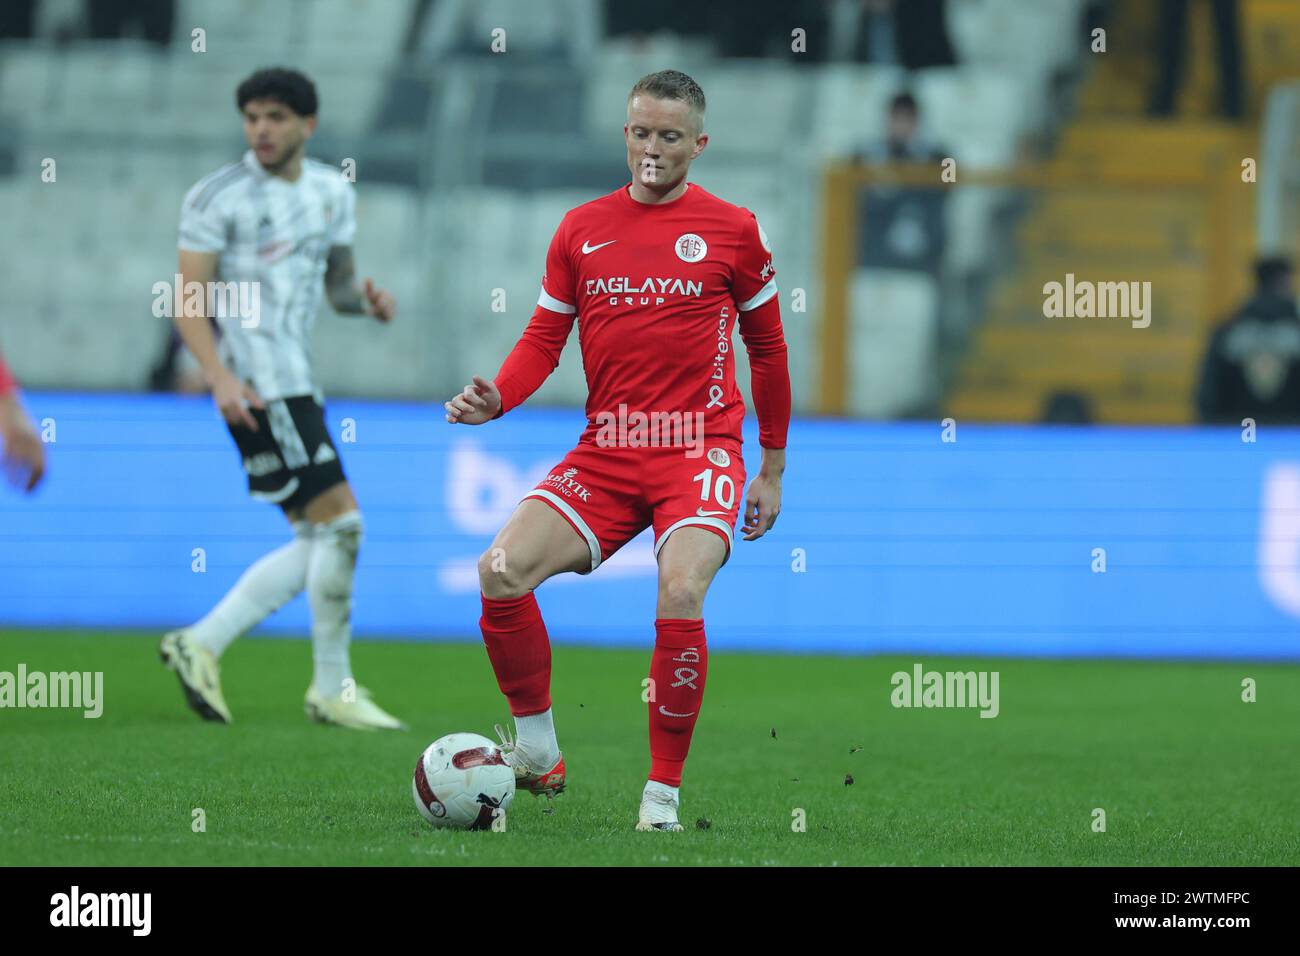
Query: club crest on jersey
719,458
690,247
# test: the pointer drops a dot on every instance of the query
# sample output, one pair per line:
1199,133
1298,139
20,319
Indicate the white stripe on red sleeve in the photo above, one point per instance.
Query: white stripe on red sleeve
762,295
548,301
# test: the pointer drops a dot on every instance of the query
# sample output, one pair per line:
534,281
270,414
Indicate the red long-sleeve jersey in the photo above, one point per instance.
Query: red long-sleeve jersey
8,384
657,291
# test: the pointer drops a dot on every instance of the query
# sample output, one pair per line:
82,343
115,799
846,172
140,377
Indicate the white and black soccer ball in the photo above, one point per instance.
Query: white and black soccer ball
462,783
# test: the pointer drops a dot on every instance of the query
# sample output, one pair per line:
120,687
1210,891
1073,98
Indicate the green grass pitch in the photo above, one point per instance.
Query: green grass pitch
1186,772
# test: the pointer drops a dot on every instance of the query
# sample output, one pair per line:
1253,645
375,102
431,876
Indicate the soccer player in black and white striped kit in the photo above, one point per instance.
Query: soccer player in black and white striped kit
275,232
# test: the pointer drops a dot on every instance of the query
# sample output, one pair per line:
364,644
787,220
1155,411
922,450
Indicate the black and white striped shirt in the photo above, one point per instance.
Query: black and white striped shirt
276,234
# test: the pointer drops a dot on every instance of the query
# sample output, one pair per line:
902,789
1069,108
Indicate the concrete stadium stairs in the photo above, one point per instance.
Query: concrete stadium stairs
1112,212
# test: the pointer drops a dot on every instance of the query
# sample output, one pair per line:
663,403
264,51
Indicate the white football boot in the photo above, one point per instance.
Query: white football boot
659,808
359,714
199,674
540,783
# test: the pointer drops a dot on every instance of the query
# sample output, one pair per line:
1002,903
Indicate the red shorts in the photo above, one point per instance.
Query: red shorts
611,494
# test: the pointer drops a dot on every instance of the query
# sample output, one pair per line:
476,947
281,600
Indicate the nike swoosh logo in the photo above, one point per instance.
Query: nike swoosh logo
668,713
700,512
588,249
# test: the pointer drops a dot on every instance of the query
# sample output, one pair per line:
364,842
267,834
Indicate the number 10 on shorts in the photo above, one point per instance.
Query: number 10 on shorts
723,491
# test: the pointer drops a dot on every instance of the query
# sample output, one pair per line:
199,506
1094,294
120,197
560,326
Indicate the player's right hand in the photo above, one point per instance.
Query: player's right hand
477,403
22,456
231,394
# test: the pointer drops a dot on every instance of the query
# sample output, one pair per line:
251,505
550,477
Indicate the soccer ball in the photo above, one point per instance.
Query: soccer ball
462,783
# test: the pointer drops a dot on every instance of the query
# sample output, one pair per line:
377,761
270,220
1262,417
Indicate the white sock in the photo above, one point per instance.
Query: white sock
535,739
329,589
269,583
654,786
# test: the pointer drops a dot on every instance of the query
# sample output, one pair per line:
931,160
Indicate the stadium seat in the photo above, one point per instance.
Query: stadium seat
748,102
976,115
257,27
364,34
110,88
892,341
388,218
849,104
745,184
201,95
560,28
27,75
618,63
1041,36
970,216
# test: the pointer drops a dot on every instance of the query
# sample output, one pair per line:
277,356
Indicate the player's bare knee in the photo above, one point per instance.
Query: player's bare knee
681,595
498,577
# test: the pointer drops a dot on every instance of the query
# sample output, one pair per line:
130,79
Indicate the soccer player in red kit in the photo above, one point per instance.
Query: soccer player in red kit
658,275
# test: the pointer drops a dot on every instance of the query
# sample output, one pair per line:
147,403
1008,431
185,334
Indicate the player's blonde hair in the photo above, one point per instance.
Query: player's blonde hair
673,85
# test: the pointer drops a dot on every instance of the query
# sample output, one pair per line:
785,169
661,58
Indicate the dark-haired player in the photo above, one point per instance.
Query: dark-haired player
659,273
274,231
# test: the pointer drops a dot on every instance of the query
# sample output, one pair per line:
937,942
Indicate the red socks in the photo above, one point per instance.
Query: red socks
520,652
677,669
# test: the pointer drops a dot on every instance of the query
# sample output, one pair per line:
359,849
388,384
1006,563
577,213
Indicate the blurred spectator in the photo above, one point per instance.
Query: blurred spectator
1171,39
17,19
557,29
903,142
1252,365
761,28
642,21
901,227
113,19
1067,408
911,34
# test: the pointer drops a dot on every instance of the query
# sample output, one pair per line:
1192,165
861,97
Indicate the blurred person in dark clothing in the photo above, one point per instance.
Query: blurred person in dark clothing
1171,40
112,19
901,227
1252,365
911,34
1067,408
903,142
669,16
736,28
17,19
754,29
